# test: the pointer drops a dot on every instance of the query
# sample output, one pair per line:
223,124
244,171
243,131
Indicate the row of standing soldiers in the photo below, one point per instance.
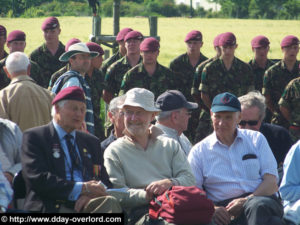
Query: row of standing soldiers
196,76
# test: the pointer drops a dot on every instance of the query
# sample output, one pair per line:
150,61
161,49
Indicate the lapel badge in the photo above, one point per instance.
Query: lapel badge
56,151
85,151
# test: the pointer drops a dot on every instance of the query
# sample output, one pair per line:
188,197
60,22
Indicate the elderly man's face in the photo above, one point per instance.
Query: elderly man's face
117,119
225,123
250,118
137,120
81,62
71,115
182,119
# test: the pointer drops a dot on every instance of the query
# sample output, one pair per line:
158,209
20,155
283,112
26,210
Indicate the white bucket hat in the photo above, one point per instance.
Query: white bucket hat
77,49
140,97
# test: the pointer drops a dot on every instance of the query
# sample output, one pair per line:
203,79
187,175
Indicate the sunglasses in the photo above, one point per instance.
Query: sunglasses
250,122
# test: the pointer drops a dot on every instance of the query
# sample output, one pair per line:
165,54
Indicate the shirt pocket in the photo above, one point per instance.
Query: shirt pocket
251,169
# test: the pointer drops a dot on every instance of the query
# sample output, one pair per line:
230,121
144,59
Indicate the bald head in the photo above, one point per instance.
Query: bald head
17,63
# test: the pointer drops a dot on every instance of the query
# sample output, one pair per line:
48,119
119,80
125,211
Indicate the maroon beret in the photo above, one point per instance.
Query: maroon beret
2,31
193,35
16,35
227,38
71,42
94,47
50,23
217,39
260,41
121,35
70,93
149,44
289,40
133,35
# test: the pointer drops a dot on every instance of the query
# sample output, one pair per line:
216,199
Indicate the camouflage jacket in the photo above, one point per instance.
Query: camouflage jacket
163,79
57,74
48,63
115,73
259,73
181,67
197,75
276,78
290,99
5,54
35,74
108,62
216,79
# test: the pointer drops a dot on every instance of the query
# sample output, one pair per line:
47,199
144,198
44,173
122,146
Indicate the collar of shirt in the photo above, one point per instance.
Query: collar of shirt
215,139
61,132
21,78
170,131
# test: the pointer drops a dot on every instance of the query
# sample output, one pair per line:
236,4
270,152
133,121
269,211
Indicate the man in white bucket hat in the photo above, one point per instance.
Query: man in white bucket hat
143,162
79,57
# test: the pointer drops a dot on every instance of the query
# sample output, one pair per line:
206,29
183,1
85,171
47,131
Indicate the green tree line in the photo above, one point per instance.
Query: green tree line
258,9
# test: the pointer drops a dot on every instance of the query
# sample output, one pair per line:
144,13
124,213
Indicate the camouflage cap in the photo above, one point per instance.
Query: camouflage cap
16,35
227,38
50,23
149,44
94,47
121,35
2,31
289,40
72,41
134,35
260,41
193,35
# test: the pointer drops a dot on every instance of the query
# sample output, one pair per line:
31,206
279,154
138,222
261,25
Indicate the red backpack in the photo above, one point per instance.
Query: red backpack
182,205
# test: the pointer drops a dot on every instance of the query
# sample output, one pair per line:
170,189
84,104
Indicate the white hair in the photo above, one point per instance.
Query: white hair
164,115
17,62
60,104
115,102
252,99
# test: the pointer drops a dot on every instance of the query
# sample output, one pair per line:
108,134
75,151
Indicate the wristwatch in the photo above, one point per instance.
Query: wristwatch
3,209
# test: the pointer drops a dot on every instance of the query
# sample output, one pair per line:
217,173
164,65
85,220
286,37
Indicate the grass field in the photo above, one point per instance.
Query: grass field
171,31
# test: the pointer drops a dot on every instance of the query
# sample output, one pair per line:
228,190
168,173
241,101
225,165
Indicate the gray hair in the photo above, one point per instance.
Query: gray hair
164,115
60,104
17,62
115,102
252,99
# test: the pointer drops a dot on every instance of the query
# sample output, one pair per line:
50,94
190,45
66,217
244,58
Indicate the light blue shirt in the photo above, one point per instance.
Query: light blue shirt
172,133
5,190
77,175
290,184
221,170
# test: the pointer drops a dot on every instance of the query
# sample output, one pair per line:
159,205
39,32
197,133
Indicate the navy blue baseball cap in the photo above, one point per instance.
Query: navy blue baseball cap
225,102
173,99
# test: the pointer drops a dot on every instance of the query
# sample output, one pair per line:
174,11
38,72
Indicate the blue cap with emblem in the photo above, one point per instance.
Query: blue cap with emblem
225,102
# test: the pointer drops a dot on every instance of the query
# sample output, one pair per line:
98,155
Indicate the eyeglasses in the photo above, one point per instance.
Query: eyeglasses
250,122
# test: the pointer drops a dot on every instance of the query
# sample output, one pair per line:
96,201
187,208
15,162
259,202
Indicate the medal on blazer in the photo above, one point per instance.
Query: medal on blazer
56,151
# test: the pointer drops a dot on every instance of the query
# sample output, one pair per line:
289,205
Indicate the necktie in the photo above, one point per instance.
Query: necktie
75,160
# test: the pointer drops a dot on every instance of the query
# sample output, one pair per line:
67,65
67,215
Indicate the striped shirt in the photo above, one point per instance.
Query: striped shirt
230,171
80,82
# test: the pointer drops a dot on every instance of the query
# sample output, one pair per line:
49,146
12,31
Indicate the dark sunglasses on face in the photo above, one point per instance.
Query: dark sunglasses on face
250,122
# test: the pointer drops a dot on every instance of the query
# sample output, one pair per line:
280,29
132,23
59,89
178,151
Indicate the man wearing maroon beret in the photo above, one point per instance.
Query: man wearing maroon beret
120,53
3,32
47,55
279,75
260,62
149,74
62,166
16,42
115,73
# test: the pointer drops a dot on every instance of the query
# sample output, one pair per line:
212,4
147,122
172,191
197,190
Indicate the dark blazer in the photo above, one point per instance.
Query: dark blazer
44,172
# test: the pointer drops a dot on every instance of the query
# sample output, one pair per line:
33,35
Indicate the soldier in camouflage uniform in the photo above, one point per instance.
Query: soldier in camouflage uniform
226,74
117,70
149,74
3,53
64,69
203,126
120,53
16,41
279,75
289,104
47,55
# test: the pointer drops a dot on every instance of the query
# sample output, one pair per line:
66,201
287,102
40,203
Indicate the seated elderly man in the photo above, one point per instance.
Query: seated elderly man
253,113
236,168
290,185
174,117
143,162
